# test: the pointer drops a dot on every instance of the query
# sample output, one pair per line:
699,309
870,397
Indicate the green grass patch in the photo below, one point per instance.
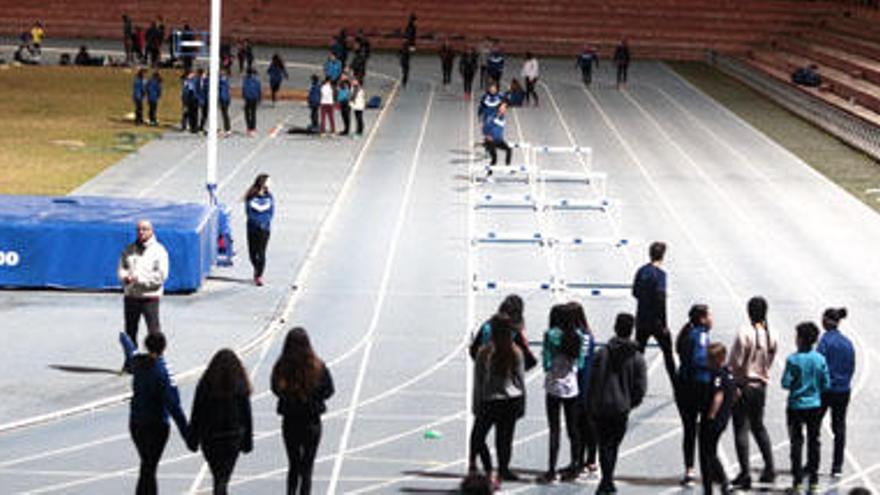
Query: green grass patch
848,167
64,125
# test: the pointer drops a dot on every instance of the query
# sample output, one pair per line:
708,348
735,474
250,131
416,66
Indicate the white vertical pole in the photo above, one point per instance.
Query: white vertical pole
213,87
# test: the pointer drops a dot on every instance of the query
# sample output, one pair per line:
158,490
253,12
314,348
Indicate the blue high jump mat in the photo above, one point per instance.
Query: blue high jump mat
74,242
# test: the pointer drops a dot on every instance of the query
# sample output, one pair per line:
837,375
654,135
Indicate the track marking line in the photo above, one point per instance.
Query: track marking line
380,299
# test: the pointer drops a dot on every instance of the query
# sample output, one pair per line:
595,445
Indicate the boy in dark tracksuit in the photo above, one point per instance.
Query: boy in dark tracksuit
190,103
314,102
493,131
404,55
649,290
495,66
202,96
467,65
447,58
252,93
154,93
137,95
618,383
621,58
840,355
224,98
722,392
585,63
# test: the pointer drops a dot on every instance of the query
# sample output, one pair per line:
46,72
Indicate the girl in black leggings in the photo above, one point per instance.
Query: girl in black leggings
221,420
302,383
260,208
562,357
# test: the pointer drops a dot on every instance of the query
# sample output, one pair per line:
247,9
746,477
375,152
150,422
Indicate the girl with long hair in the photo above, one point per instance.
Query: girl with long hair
260,208
562,358
221,420
302,383
499,397
586,455
694,375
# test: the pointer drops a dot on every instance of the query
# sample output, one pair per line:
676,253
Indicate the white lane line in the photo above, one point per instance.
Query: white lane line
380,299
737,208
270,136
471,310
61,451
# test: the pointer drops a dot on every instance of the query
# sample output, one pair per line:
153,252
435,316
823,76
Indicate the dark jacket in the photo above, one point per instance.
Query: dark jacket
310,410
649,289
619,379
154,393
621,55
221,419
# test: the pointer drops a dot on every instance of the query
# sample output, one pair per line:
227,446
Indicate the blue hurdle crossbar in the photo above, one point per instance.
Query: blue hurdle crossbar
496,238
568,205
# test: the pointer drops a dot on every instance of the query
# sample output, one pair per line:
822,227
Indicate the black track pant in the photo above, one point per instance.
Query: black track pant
711,469
134,308
838,402
301,440
447,72
493,146
587,427
345,112
153,109
502,415
138,111
797,420
359,120
221,457
691,399
192,113
224,112
531,94
250,114
468,80
570,408
258,240
622,72
644,332
587,74
313,116
203,116
610,431
748,417
149,440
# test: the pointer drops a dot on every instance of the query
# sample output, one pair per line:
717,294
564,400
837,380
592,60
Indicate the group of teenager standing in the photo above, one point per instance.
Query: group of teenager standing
596,386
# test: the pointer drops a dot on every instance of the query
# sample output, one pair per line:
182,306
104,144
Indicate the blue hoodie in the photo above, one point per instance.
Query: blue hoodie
494,128
495,63
695,357
260,210
805,378
251,89
315,95
841,359
223,90
489,104
276,75
137,90
202,90
154,90
333,69
342,95
155,396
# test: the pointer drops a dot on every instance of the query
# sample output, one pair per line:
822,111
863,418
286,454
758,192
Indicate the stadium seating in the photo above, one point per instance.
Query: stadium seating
656,28
845,47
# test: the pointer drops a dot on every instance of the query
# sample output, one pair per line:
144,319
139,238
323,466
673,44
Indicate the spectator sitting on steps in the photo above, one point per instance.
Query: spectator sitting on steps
807,76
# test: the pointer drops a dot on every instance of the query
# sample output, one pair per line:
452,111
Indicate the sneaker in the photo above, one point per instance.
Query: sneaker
796,488
569,474
547,478
742,482
592,471
768,477
813,488
508,475
688,480
836,474
258,281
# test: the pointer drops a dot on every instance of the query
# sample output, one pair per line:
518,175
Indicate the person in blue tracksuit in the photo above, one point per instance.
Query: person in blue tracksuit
332,68
190,102
840,355
252,92
154,399
154,93
224,97
694,375
277,73
343,98
137,95
586,455
202,87
495,65
489,103
585,62
493,133
260,208
314,102
649,290
719,407
806,378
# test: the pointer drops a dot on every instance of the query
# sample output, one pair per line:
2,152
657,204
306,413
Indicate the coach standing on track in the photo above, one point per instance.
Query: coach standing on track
649,289
143,269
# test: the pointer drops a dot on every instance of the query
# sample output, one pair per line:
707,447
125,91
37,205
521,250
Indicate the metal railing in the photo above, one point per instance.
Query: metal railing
850,128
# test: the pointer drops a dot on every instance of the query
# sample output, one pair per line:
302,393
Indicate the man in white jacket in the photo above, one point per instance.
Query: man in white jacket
143,269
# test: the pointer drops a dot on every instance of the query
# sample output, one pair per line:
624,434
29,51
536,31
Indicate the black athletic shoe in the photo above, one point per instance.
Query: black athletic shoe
768,477
508,475
688,480
742,482
547,478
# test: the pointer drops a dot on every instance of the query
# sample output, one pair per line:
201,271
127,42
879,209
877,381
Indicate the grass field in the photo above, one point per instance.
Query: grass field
853,170
63,125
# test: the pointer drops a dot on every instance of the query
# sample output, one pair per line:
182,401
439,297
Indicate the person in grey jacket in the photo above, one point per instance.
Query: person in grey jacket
142,271
618,384
499,397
